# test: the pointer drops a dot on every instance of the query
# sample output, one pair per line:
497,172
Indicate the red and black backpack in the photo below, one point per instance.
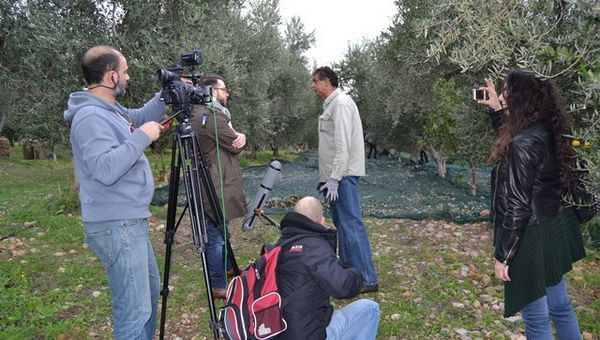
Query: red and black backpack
253,306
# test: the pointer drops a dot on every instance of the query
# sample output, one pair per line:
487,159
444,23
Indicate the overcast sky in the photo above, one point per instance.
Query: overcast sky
337,22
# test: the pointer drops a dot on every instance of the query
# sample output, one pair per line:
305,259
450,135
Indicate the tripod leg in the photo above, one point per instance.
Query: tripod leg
218,212
195,173
197,218
171,228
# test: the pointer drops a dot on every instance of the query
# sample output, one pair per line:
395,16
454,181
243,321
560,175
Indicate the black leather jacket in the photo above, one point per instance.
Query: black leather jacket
526,187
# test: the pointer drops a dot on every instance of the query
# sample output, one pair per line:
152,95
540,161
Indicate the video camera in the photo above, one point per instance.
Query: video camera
179,94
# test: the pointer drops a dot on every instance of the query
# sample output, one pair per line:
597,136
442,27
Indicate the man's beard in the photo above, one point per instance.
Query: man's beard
119,88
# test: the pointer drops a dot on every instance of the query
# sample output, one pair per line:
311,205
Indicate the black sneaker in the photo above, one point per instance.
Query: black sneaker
369,288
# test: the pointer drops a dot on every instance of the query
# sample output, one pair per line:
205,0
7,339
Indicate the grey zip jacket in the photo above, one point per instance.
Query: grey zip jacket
114,175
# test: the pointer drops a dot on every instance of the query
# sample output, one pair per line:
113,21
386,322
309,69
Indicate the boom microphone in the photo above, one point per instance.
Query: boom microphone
267,183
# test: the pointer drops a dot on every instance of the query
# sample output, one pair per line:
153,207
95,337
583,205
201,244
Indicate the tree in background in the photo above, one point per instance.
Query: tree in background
439,137
41,43
422,68
379,83
554,38
400,81
41,40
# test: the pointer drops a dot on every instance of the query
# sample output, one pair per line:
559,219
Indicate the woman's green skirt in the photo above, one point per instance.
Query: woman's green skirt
546,253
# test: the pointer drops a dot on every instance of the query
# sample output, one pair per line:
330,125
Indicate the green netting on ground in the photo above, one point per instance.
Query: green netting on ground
392,188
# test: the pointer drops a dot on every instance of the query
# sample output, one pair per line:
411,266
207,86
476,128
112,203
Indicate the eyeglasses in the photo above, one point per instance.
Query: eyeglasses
220,88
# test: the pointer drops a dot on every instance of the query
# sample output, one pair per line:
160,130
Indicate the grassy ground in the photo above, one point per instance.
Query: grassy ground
436,278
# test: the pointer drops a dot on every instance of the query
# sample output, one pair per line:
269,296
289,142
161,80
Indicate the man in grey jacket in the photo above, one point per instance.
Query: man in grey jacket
116,187
341,163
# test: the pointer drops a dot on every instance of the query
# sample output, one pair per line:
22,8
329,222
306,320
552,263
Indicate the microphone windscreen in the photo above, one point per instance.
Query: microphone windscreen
267,183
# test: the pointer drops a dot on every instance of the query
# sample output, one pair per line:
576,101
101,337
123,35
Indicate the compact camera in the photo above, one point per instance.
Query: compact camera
481,94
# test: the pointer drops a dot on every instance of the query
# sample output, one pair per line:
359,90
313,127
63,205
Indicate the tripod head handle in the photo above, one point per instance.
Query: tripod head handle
170,118
261,213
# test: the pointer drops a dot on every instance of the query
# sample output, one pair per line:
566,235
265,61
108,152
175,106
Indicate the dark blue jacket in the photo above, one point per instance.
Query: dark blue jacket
308,274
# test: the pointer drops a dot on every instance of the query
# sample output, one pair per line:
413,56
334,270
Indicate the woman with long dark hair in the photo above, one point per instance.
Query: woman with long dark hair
536,238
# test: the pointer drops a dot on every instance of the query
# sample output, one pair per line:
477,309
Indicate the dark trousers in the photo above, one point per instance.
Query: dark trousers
372,147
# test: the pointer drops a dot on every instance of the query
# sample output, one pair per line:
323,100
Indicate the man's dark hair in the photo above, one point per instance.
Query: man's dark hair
97,61
210,80
327,72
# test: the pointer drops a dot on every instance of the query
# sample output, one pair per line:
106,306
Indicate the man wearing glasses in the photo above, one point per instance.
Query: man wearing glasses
220,93
221,144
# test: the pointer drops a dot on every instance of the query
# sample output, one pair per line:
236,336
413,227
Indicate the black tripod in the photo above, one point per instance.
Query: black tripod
186,153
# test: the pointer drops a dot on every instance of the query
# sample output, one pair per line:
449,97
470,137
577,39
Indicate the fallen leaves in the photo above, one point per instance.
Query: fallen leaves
441,273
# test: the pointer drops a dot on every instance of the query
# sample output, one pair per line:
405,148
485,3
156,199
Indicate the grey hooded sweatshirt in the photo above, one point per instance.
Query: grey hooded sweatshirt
115,179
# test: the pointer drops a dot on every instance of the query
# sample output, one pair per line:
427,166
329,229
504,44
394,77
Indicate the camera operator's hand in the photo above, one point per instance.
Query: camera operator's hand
152,130
493,102
239,141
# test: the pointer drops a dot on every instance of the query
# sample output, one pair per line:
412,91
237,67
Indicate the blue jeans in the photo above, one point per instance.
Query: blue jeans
353,241
125,250
358,320
215,256
554,305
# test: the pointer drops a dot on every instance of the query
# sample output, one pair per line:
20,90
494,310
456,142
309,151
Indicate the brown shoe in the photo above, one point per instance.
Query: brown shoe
219,293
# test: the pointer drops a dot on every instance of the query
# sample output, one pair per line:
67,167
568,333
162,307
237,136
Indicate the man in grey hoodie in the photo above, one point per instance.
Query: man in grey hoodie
116,186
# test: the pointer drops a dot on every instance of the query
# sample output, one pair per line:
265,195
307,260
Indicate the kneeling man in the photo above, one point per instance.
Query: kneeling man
309,274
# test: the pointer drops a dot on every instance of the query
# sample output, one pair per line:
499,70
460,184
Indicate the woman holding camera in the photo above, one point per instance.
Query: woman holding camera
536,239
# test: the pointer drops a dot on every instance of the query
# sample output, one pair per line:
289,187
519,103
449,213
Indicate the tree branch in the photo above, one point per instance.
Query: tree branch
5,68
